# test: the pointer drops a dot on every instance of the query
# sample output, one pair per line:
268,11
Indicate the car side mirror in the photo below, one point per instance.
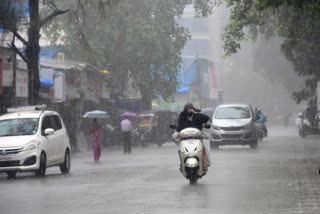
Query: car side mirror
48,131
207,126
173,126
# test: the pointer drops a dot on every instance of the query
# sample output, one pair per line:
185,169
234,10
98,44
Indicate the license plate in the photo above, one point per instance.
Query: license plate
232,132
5,158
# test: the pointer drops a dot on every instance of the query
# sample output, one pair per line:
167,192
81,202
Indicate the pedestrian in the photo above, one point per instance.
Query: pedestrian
95,131
126,128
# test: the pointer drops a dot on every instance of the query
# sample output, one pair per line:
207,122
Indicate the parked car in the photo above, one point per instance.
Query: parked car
233,124
33,139
307,122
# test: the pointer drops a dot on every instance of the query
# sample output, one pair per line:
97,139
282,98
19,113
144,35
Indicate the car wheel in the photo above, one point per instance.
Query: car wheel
214,145
254,144
41,172
66,165
11,174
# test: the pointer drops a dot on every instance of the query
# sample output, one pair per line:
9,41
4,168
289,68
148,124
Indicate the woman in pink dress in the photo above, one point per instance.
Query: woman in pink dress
95,132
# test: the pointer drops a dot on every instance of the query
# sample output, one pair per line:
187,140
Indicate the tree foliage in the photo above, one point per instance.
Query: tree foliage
139,38
297,22
12,19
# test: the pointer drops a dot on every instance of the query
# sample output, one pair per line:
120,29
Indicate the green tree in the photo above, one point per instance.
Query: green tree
297,22
139,38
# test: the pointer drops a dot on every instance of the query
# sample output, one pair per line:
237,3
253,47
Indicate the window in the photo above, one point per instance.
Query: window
45,124
58,122
52,122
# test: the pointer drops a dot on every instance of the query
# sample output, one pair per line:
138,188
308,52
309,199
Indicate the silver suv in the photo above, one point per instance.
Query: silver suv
233,124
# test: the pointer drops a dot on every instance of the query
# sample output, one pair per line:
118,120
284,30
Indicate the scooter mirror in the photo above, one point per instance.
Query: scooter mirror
173,126
207,126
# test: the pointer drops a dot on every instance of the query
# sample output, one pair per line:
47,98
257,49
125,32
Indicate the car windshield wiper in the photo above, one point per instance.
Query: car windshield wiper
232,118
21,134
6,135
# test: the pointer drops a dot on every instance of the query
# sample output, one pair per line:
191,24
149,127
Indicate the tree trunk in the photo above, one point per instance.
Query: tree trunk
32,52
146,95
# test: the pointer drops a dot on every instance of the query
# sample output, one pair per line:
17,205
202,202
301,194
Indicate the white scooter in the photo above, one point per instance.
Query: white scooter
191,149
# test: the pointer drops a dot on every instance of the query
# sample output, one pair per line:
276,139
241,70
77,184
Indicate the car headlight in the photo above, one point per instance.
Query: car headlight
31,146
248,126
215,127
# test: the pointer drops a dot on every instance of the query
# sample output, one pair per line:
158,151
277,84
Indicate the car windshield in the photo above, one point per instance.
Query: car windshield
234,112
18,127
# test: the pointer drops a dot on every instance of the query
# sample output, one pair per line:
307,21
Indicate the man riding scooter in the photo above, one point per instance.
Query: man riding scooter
191,117
261,119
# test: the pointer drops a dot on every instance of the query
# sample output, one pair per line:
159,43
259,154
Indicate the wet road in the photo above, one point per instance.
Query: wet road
280,177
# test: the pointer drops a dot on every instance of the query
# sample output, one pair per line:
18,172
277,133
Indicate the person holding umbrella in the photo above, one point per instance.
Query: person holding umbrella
126,128
95,131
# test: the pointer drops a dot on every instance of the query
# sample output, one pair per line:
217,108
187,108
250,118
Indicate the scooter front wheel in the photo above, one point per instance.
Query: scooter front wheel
193,180
192,175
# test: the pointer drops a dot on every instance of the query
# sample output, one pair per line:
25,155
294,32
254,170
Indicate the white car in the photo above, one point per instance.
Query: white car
233,124
33,140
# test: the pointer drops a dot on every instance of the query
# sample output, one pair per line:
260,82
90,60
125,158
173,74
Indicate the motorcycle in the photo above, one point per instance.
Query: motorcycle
135,137
261,131
140,136
144,136
191,150
305,127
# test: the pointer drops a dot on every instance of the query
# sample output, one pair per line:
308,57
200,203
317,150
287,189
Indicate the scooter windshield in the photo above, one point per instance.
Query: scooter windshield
190,133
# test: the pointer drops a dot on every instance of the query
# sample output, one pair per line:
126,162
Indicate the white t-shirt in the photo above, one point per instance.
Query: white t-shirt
126,125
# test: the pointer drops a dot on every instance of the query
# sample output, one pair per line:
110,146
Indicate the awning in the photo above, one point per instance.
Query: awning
183,89
44,82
